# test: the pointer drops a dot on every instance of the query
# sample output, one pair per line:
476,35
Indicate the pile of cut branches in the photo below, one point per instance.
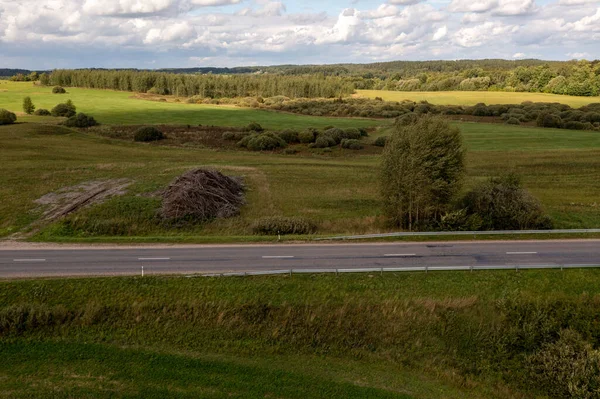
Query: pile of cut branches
203,195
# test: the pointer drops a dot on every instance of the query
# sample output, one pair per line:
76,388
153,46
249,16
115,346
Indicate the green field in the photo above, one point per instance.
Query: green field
115,107
338,190
409,335
474,97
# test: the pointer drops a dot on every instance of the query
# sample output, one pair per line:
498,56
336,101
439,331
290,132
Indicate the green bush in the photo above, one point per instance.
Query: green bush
335,133
567,368
42,112
308,136
28,106
81,120
548,120
274,225
234,136
323,141
380,141
459,220
290,136
352,144
503,204
246,139
58,90
363,132
574,125
265,142
513,121
64,109
7,117
351,133
407,119
255,127
147,134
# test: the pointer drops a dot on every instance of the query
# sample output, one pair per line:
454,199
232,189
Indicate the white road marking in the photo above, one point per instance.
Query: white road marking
154,258
521,253
278,257
29,260
398,255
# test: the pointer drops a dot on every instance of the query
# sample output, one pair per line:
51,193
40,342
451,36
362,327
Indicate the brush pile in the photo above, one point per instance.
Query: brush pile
203,195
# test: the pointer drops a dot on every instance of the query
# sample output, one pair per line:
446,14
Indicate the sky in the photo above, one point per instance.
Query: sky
46,34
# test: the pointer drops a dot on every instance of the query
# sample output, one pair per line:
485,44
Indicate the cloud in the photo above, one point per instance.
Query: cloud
181,33
440,33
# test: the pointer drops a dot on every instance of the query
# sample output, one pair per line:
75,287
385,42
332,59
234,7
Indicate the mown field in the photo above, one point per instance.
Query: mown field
339,190
114,107
474,97
409,335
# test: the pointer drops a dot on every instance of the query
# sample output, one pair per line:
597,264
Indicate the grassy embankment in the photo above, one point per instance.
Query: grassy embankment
474,97
413,335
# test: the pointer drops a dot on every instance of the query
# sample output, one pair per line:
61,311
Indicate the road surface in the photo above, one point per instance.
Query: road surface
30,261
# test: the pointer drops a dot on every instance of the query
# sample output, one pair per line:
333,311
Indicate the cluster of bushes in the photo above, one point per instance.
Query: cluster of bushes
7,117
147,134
58,90
276,225
81,120
254,138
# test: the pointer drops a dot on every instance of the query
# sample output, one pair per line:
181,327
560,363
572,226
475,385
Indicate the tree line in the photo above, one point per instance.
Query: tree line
208,86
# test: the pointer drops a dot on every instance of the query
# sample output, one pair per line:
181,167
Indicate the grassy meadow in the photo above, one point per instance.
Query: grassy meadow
407,335
115,107
338,190
474,97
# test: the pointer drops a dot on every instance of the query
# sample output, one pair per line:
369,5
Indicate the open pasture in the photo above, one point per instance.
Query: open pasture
338,190
474,97
115,107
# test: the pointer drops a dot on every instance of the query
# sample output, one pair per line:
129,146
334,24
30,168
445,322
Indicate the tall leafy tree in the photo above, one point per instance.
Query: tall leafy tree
28,106
422,169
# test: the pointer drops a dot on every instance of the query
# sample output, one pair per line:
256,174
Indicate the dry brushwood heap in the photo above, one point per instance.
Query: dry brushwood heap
202,195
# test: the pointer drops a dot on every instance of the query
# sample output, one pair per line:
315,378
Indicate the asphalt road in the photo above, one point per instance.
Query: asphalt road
60,261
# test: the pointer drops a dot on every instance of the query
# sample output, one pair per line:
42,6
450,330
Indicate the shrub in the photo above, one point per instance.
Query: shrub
147,134
290,151
308,136
336,134
323,141
363,132
245,140
407,119
283,225
7,117
513,121
42,112
289,136
574,125
380,141
81,120
255,127
28,106
503,204
265,142
234,136
64,109
567,368
352,144
351,133
459,220
548,120
58,90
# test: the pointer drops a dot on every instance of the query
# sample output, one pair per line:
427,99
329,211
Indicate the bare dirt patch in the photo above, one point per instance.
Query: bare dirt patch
70,199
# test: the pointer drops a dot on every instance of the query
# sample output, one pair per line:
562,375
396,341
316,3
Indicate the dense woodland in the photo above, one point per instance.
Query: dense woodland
207,86
578,78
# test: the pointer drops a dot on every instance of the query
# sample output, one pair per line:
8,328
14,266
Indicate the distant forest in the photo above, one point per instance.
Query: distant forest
579,78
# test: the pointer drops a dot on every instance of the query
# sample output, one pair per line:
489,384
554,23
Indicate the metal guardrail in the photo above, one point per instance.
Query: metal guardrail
459,233
382,270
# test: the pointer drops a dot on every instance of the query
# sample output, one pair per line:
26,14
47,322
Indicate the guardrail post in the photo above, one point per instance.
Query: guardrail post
382,271
517,268
426,269
471,268
291,270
